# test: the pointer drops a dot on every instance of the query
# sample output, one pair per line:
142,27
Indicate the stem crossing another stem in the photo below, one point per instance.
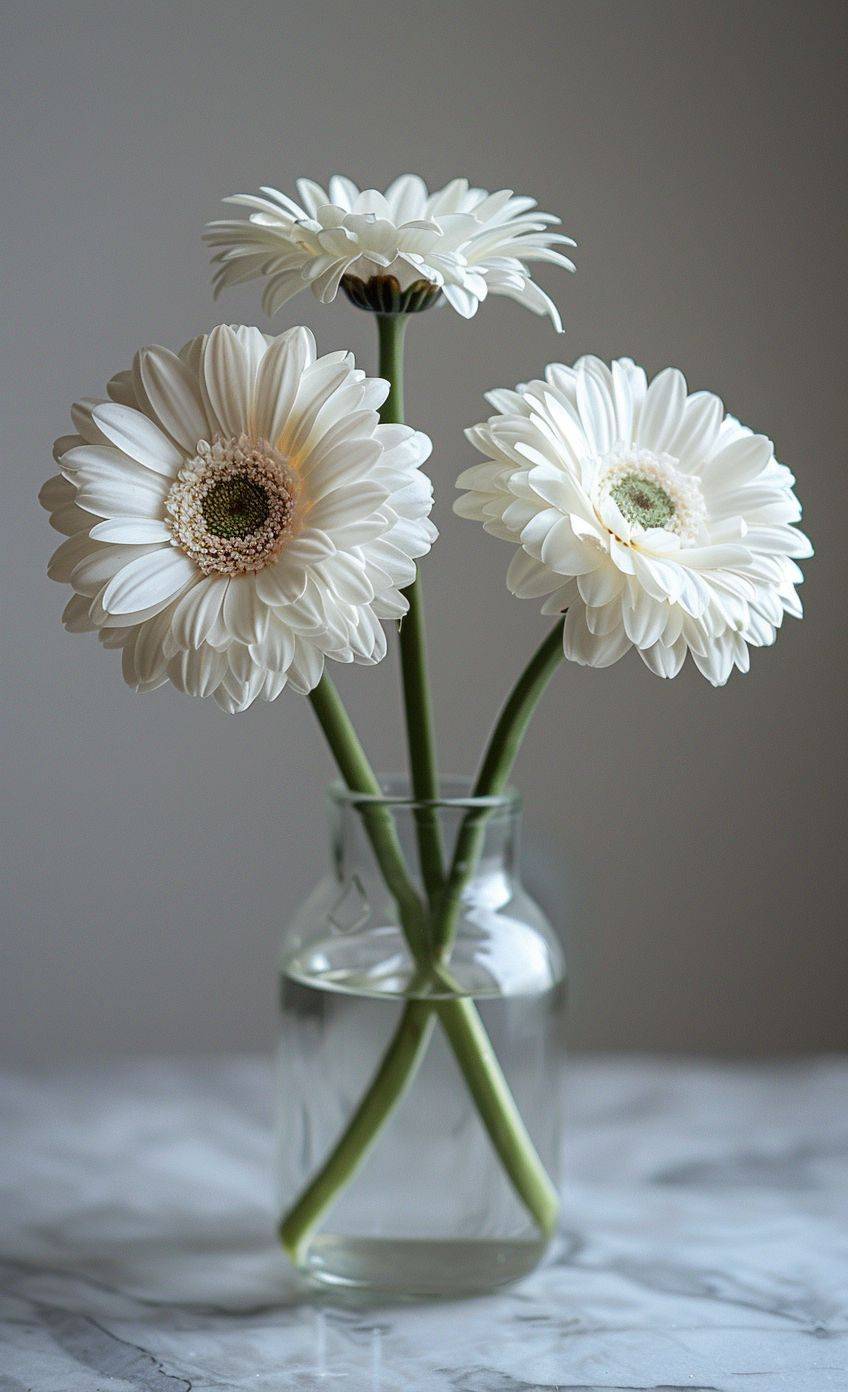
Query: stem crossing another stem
429,929
459,1017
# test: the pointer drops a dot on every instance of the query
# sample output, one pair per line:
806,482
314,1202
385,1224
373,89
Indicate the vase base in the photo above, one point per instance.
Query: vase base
420,1266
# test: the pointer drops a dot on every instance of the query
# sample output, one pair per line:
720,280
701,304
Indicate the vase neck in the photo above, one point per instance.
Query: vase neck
493,822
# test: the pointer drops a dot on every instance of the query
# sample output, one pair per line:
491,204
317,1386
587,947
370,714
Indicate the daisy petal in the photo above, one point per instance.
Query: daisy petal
662,410
131,531
278,380
148,580
172,390
139,438
226,382
197,612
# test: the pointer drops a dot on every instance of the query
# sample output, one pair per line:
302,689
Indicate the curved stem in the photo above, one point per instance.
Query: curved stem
378,821
413,653
495,770
399,1065
511,727
498,1112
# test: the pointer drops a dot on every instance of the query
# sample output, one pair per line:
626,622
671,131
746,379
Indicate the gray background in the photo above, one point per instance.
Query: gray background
690,842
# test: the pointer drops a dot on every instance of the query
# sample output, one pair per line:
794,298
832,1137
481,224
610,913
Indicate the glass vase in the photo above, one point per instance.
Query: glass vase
421,1052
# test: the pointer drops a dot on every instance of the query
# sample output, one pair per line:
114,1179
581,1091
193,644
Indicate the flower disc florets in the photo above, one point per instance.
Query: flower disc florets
650,491
231,507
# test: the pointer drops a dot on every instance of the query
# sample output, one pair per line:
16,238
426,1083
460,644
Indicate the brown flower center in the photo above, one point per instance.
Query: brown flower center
232,506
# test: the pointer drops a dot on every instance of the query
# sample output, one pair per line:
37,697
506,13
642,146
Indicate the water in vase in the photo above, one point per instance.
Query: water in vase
430,1210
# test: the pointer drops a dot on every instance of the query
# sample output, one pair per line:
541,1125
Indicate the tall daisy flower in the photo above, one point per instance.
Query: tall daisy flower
654,519
391,252
235,515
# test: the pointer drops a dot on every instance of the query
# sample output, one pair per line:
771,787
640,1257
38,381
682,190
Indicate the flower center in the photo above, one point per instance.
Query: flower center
235,507
231,507
643,501
650,491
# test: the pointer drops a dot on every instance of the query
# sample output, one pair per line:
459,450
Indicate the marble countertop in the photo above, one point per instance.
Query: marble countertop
705,1243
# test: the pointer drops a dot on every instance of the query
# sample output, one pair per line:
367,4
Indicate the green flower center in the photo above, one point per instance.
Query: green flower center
235,507
643,501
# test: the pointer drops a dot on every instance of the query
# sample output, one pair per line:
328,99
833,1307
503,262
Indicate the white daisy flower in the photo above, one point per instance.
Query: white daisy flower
657,521
235,514
390,252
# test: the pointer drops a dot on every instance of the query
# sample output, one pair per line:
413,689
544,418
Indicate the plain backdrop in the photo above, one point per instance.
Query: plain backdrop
689,842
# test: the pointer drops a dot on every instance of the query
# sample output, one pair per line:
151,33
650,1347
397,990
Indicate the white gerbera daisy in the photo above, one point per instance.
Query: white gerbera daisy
235,514
390,252
657,521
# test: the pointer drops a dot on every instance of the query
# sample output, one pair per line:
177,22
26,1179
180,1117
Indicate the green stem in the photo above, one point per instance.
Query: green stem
511,727
378,821
413,652
389,1084
409,1042
460,1019
463,1026
498,760
391,332
496,1106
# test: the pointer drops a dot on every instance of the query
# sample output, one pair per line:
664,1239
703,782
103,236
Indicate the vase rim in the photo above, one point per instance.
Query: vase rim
396,793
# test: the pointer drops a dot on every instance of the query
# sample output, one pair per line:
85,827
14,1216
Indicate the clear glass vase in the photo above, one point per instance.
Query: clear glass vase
421,1053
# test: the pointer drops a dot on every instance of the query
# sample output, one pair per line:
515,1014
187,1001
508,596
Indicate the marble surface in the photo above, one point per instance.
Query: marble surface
704,1243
